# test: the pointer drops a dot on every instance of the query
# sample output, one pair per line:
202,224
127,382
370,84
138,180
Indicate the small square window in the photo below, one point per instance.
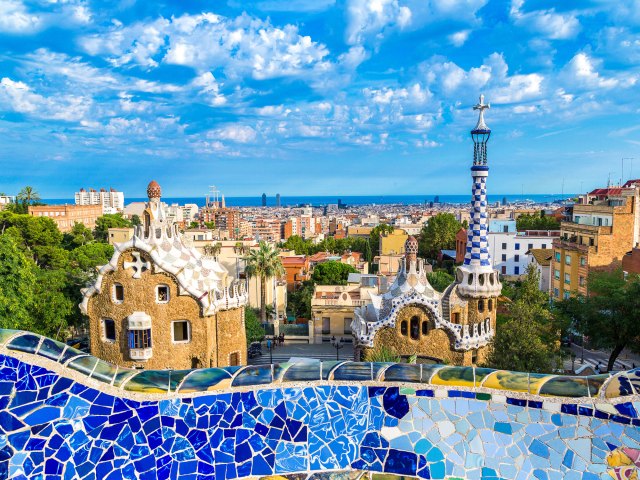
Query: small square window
566,295
583,261
556,274
504,257
516,258
544,245
516,270
181,331
456,318
530,246
557,256
567,260
556,292
504,246
517,246
567,278
581,281
118,293
162,293
108,330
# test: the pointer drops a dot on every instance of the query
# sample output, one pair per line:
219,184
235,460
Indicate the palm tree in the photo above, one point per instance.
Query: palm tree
28,195
264,263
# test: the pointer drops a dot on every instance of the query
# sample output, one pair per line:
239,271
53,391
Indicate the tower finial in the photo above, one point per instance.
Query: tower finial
481,107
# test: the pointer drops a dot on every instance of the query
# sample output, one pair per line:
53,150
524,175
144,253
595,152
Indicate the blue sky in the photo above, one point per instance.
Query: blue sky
313,97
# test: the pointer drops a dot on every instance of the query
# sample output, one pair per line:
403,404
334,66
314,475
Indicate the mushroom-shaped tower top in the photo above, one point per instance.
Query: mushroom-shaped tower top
154,190
411,249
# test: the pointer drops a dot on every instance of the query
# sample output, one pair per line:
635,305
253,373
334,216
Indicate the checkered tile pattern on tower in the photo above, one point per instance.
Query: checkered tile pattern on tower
477,252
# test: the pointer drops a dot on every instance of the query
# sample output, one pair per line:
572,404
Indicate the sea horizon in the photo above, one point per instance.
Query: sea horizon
348,200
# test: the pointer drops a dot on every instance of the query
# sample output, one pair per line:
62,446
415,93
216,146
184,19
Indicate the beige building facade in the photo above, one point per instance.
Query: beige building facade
119,235
66,216
160,304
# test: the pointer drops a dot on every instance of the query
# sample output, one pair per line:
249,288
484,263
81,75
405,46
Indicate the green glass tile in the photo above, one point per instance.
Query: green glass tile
428,371
254,375
353,371
595,383
104,371
6,334
407,391
25,343
149,381
565,387
83,364
483,396
204,379
70,353
327,368
176,377
403,372
458,376
481,374
122,375
51,349
308,371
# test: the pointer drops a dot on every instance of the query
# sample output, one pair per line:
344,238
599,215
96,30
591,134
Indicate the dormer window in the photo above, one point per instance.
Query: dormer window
162,294
118,293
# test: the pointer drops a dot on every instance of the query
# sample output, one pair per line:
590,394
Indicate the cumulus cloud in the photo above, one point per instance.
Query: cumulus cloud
581,71
555,26
14,18
241,46
17,96
369,19
458,39
235,133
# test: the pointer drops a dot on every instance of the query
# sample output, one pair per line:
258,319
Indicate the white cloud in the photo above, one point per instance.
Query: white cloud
244,46
458,39
369,19
552,25
19,97
582,71
209,88
14,18
236,133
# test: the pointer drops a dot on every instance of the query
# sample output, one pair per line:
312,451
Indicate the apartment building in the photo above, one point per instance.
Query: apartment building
602,230
66,216
509,249
333,306
111,201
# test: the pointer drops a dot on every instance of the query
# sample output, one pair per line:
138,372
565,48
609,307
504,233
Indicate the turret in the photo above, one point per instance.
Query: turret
476,277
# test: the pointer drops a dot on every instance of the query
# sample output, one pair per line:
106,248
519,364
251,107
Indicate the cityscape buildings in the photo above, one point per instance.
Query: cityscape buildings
66,216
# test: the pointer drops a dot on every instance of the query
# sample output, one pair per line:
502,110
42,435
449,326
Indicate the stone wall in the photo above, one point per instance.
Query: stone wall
65,416
140,295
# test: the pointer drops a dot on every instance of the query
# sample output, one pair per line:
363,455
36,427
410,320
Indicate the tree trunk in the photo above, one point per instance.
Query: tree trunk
263,299
614,354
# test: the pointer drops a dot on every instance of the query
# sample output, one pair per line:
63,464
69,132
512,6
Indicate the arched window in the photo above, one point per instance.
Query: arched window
415,328
403,328
425,327
481,305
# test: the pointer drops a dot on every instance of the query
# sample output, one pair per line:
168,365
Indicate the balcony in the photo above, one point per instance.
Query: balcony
578,228
140,353
573,245
336,302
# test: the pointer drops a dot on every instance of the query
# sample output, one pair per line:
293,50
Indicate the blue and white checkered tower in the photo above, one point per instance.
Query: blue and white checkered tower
476,277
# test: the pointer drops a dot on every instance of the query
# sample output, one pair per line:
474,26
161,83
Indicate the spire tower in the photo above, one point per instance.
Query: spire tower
476,277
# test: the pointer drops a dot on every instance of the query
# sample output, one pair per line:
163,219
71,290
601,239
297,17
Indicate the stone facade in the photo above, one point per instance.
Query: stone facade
159,304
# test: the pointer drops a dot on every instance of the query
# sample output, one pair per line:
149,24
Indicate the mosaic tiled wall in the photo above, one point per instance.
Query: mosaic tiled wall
66,415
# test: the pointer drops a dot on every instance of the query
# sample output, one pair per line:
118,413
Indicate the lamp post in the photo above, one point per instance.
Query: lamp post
337,344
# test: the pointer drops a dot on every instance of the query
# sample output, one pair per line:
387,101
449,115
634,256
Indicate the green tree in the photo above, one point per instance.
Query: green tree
374,237
332,273
440,279
53,308
107,221
264,263
78,236
17,286
613,312
27,196
528,338
135,220
299,301
194,225
298,245
536,221
368,256
252,325
88,257
438,234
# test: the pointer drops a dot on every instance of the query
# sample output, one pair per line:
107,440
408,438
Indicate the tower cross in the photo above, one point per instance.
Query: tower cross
481,107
